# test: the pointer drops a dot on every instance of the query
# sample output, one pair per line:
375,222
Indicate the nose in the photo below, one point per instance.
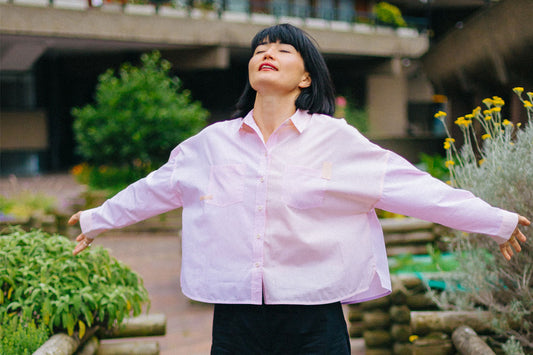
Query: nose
268,53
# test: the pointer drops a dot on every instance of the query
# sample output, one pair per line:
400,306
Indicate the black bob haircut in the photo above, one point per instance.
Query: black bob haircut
319,97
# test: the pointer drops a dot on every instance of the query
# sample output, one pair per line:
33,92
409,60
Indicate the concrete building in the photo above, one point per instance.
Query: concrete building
52,53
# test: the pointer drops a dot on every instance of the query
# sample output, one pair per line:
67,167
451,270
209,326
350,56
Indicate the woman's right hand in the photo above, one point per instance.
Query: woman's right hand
82,239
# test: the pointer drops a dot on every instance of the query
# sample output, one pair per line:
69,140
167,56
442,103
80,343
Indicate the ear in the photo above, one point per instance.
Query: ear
306,81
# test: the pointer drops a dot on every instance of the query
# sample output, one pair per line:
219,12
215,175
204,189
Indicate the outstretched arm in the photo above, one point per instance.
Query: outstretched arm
513,242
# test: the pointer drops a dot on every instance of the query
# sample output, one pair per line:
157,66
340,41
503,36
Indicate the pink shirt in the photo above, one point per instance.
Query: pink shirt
293,218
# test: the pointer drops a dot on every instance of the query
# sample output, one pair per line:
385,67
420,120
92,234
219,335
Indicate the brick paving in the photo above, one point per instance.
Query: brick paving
156,257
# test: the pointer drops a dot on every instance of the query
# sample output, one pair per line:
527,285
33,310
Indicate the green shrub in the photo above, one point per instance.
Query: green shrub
137,118
357,117
41,279
498,167
434,165
18,337
389,14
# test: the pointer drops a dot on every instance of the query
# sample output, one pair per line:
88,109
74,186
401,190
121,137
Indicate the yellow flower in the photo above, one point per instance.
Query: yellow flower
519,124
481,161
469,116
527,104
413,338
518,90
488,118
496,109
450,140
447,145
506,122
476,111
498,101
449,163
488,102
485,136
440,114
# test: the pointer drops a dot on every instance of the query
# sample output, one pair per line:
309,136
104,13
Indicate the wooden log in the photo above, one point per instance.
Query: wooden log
409,238
434,344
420,301
401,332
402,349
90,347
58,344
129,348
380,303
141,326
467,342
400,314
426,322
406,249
355,314
391,225
376,319
399,291
377,338
409,281
356,329
378,351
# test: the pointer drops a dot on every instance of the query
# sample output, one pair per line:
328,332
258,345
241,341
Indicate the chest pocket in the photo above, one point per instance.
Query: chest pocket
305,187
226,185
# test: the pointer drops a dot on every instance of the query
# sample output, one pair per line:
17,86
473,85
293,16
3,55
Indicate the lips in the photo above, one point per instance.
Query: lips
267,66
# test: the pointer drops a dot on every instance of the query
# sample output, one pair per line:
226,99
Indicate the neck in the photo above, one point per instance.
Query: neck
271,111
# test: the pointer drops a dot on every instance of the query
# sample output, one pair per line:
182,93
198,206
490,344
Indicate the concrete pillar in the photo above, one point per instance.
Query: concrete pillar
387,95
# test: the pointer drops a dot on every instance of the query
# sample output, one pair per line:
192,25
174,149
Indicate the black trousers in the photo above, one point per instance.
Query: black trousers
280,329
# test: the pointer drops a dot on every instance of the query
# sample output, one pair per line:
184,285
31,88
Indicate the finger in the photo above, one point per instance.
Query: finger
523,221
520,236
74,219
79,248
504,251
83,243
515,244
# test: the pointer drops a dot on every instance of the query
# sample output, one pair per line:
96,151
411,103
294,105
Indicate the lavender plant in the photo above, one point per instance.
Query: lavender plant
496,164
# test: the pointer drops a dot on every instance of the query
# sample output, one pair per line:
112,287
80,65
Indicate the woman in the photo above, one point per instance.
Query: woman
278,204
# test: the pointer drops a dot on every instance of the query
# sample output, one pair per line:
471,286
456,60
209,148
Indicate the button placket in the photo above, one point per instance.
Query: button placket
259,230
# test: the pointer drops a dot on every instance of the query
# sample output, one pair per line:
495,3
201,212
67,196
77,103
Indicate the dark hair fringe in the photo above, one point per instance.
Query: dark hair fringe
319,97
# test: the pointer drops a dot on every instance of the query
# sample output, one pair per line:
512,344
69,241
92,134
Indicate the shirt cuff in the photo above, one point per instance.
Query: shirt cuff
509,223
86,224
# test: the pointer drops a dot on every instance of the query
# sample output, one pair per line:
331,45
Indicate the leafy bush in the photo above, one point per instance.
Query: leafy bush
41,279
389,14
138,117
498,168
357,117
434,165
18,337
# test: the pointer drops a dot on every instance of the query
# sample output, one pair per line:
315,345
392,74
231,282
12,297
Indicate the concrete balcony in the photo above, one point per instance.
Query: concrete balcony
29,27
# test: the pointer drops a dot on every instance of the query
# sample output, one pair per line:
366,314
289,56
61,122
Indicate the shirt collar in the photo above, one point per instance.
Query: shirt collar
300,120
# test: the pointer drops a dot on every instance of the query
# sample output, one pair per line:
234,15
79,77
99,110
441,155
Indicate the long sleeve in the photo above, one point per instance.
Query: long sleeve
409,191
155,194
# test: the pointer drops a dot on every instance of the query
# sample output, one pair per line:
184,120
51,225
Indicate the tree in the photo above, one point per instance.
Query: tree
138,116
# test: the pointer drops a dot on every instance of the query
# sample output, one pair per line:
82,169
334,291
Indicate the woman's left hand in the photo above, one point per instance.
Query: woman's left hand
507,247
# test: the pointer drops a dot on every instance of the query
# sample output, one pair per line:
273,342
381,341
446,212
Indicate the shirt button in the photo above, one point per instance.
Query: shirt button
259,208
258,236
257,264
262,179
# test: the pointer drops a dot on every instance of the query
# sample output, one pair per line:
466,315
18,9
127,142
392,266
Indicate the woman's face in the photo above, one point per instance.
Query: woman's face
277,66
